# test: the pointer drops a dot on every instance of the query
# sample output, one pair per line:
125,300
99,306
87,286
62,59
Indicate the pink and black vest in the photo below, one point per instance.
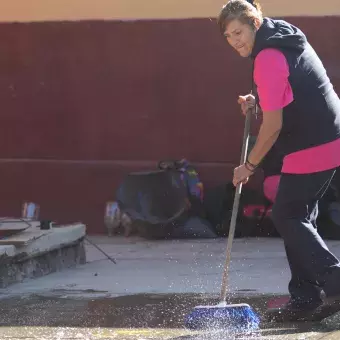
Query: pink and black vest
313,118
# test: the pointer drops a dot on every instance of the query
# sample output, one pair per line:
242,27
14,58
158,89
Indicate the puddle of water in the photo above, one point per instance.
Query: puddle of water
128,317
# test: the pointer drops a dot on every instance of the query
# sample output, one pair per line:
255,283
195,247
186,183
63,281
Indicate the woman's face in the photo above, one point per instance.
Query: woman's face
241,37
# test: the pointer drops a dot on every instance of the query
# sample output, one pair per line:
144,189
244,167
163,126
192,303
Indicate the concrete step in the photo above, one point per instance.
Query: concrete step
34,253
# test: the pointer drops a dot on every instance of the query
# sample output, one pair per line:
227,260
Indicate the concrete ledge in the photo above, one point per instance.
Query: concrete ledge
60,248
57,238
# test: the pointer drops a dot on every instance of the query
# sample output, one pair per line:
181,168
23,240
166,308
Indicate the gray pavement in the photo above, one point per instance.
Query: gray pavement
148,273
189,266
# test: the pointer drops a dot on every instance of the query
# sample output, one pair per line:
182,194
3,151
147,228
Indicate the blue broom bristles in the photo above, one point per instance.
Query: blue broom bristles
239,317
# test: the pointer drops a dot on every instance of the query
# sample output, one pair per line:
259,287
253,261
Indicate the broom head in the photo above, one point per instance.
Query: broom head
235,317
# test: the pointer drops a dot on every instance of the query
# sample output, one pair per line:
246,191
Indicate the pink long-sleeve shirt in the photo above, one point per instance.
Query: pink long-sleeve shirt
271,72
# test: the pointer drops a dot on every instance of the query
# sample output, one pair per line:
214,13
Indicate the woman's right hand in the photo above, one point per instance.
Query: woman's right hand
247,102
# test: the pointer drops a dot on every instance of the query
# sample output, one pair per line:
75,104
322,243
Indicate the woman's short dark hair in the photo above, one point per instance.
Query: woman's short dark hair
242,10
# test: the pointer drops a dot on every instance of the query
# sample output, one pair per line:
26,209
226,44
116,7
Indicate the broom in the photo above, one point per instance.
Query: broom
223,316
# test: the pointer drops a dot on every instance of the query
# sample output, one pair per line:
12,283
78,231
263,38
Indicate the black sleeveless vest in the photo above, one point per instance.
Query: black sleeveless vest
313,118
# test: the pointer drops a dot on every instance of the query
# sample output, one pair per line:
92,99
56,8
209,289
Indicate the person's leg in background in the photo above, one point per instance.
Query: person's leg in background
294,214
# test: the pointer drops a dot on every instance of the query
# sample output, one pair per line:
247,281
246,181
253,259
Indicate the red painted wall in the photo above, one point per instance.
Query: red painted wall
83,103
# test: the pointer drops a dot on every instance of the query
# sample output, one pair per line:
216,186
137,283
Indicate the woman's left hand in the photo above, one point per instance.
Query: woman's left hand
241,175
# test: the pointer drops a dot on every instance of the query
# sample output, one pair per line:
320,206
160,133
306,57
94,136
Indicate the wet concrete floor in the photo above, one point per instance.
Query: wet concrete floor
137,317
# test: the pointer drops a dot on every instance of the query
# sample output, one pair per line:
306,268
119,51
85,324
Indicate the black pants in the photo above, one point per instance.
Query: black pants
313,267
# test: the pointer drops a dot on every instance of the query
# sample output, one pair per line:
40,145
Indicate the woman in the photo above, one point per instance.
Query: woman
301,117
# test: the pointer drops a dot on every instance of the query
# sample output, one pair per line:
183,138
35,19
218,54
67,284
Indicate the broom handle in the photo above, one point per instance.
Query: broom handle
238,191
